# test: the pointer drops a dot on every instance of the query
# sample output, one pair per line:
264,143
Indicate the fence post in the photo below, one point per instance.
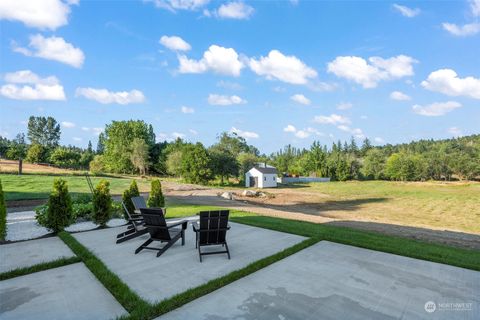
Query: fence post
20,166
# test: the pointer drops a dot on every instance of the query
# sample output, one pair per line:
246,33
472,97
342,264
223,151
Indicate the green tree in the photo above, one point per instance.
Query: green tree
102,203
17,149
174,163
101,143
156,199
36,153
44,131
139,155
373,164
127,196
90,147
119,138
246,162
59,213
97,165
65,157
3,214
223,162
196,166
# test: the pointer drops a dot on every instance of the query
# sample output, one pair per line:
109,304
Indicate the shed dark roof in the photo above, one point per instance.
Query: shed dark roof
267,170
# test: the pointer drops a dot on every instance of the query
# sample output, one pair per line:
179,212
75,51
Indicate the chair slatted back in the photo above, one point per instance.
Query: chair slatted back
155,223
134,224
139,202
213,226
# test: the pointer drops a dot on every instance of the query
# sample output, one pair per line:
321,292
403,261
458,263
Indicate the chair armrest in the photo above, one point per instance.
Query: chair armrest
195,226
183,222
135,219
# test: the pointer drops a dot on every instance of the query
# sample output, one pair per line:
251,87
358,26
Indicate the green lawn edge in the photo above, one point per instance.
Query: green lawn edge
38,267
459,257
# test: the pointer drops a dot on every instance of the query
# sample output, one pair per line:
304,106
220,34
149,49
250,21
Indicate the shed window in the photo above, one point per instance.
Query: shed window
273,178
265,179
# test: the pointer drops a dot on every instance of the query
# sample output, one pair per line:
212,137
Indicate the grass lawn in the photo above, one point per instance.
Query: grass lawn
452,206
39,186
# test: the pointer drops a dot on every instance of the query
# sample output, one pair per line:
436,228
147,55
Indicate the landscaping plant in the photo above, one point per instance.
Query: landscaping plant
58,213
102,203
132,191
3,215
156,199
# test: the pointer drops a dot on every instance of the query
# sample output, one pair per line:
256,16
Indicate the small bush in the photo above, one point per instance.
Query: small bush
82,198
132,191
102,203
117,210
3,215
97,165
82,210
156,199
58,213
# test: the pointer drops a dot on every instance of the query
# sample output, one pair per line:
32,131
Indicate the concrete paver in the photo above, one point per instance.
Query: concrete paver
334,281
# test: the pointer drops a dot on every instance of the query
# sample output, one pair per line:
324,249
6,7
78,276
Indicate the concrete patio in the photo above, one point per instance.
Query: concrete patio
70,292
28,253
179,269
334,281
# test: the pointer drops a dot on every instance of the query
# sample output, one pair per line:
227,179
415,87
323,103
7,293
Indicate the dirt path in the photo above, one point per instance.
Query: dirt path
306,212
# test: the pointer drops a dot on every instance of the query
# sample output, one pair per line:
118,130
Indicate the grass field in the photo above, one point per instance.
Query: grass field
39,186
453,206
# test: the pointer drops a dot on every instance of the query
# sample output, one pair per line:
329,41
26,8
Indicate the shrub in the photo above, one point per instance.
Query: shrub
132,191
83,210
156,199
58,213
3,215
36,154
82,198
117,210
102,203
97,165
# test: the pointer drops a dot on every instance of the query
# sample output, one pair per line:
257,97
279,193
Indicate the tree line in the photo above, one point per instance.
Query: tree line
131,147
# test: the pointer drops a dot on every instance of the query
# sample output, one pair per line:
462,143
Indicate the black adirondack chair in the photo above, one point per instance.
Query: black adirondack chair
160,231
139,203
212,230
135,227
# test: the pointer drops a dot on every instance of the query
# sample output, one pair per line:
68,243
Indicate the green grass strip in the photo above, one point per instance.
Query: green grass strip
38,267
124,295
179,300
464,258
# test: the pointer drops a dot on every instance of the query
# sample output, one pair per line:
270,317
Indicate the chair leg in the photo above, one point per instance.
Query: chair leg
228,251
168,245
200,254
146,243
183,237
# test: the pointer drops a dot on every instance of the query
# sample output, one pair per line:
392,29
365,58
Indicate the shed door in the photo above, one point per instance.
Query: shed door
254,182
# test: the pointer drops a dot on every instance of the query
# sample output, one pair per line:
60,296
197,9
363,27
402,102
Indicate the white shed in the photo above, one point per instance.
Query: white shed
261,177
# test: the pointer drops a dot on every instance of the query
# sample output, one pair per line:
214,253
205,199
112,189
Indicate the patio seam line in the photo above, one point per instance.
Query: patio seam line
39,267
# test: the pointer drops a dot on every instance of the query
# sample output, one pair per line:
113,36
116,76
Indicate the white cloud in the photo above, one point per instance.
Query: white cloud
406,11
302,134
379,140
446,81
68,124
77,139
185,109
278,66
436,109
466,30
344,106
173,5
289,128
334,119
175,43
223,100
33,88
370,73
177,135
233,10
105,97
229,85
300,98
245,134
44,14
216,59
454,131
397,95
356,132
95,131
475,6
53,48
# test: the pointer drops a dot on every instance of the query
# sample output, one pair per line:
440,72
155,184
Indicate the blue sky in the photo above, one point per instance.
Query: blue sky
275,72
